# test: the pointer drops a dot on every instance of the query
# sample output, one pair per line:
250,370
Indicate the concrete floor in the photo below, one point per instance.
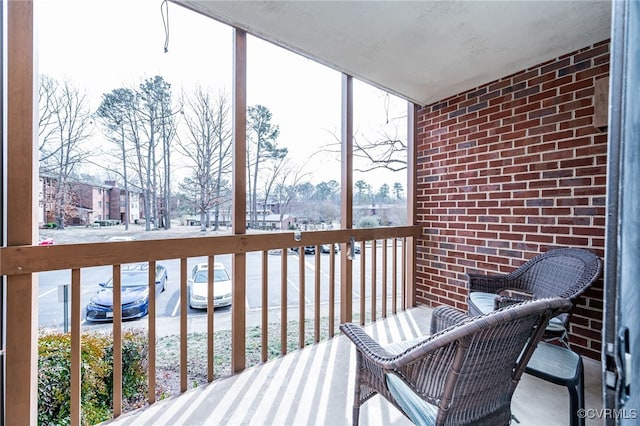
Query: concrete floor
314,386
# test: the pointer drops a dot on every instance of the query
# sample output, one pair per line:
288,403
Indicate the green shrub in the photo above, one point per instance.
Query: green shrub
135,358
54,375
369,222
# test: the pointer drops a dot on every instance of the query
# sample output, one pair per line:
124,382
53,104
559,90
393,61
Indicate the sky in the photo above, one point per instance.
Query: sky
102,45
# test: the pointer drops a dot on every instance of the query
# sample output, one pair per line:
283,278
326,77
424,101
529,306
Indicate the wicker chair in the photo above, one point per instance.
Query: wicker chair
563,272
465,374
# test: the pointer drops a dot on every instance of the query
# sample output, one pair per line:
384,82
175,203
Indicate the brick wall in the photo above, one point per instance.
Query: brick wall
508,170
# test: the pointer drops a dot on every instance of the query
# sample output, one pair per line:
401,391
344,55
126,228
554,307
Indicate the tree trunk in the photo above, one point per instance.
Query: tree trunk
216,217
127,207
203,218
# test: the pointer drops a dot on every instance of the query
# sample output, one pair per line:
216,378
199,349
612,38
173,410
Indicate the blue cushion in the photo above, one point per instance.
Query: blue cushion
556,364
418,410
555,324
483,302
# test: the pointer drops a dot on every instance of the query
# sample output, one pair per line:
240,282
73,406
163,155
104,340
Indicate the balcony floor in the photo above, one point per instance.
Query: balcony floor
315,386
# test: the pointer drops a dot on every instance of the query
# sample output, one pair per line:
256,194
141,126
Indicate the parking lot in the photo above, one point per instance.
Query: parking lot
51,311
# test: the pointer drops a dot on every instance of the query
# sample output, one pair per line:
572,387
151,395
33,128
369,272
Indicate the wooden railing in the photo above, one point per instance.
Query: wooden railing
20,260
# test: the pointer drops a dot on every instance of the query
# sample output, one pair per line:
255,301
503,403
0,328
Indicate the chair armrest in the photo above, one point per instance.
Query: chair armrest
380,356
365,343
503,301
444,317
510,296
376,362
491,283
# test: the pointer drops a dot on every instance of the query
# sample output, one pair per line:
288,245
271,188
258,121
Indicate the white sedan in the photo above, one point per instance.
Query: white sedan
198,284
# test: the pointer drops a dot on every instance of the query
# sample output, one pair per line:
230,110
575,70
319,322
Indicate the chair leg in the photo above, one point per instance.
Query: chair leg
576,397
580,386
356,392
356,415
564,339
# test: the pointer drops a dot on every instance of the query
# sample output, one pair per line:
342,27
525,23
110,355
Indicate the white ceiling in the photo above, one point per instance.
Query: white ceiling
423,51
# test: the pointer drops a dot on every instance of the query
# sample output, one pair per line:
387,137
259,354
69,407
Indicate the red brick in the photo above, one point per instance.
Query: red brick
574,143
573,87
562,118
593,72
515,178
547,128
588,111
526,76
564,81
572,241
577,162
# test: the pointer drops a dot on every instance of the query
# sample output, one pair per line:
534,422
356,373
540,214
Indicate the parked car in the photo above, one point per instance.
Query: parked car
326,248
45,241
356,247
198,286
134,293
121,238
307,249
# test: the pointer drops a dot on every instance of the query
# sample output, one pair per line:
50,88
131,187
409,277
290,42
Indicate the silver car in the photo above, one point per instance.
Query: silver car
198,284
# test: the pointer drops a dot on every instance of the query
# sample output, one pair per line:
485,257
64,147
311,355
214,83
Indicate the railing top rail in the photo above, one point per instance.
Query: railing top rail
17,260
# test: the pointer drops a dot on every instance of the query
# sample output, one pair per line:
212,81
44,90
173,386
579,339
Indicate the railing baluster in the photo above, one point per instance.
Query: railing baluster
152,332
301,299
283,304
28,259
374,293
76,349
384,277
211,273
332,292
363,252
403,282
394,282
265,303
239,313
316,319
117,341
183,324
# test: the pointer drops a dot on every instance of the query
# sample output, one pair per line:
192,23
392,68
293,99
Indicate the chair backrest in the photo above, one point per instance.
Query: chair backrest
562,272
480,362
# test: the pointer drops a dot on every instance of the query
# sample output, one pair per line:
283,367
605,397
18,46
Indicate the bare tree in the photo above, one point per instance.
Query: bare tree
152,124
386,148
287,187
263,136
65,125
47,118
271,174
167,134
223,133
114,113
387,151
207,146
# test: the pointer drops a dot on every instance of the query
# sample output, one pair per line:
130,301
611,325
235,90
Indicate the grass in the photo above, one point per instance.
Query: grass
168,353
